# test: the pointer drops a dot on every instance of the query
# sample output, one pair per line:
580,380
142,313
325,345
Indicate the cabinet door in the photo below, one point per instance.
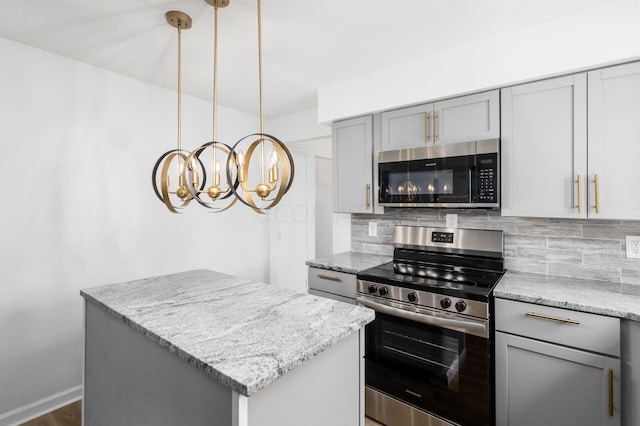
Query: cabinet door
540,383
544,148
352,165
468,118
407,127
614,141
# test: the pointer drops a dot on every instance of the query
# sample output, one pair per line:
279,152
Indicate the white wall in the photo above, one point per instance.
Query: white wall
300,127
78,146
600,32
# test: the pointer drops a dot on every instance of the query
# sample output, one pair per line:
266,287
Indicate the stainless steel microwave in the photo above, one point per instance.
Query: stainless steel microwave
464,175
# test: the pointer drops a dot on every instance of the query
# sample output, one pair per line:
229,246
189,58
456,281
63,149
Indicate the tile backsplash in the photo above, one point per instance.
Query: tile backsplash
581,248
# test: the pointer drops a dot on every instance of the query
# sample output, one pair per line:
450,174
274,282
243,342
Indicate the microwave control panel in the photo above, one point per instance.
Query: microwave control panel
487,167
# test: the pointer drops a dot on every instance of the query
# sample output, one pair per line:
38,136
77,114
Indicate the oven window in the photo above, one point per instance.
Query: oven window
425,181
429,350
441,371
420,182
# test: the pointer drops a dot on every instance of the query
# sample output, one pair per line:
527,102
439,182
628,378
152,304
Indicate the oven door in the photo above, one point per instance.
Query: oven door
430,363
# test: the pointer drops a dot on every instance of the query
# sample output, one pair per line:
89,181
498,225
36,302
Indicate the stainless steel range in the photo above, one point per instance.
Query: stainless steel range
428,354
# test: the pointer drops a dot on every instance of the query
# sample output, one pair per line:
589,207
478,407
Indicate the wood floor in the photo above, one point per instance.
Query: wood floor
371,422
70,416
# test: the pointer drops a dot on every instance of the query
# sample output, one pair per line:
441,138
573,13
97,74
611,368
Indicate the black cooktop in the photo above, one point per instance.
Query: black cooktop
459,276
467,284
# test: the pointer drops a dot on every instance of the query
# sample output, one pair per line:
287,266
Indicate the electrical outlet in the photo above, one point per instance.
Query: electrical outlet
633,247
373,229
452,220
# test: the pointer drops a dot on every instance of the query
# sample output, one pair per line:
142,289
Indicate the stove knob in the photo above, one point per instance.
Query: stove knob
461,305
383,291
412,296
372,288
445,303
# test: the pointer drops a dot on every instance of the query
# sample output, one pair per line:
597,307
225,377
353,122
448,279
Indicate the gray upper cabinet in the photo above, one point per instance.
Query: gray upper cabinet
570,145
614,141
462,119
352,143
407,127
544,148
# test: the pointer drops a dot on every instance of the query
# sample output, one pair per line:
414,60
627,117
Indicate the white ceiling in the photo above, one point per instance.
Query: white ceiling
306,44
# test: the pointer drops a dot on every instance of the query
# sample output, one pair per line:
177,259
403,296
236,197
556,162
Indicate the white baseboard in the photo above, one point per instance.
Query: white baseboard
38,408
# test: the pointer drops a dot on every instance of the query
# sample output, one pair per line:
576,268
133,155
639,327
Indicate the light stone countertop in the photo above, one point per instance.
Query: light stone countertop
579,294
350,262
244,334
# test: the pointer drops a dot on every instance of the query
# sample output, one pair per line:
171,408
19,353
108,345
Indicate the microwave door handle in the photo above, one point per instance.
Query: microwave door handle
467,326
471,189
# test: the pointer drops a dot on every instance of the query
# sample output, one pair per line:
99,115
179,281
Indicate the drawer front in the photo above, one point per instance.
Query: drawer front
332,296
580,330
339,283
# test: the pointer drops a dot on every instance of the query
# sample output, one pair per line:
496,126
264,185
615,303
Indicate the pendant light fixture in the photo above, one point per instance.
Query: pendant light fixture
217,194
250,166
179,197
259,167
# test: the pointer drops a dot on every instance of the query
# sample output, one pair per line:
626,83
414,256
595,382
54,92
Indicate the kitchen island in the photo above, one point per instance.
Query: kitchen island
202,347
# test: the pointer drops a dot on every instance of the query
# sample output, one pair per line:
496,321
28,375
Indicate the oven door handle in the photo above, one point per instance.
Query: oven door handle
457,323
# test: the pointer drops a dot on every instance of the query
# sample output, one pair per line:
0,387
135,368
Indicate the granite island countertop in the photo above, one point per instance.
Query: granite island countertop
350,262
579,294
244,334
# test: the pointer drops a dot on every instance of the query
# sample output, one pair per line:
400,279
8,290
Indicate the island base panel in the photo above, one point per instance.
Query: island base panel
325,390
129,379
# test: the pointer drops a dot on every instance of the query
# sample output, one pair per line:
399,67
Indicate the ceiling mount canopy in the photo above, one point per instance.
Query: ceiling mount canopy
179,20
218,3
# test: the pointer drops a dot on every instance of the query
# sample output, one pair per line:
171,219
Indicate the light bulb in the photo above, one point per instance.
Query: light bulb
240,163
216,177
240,158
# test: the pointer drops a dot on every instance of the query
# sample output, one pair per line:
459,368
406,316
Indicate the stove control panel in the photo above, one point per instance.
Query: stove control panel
420,298
442,237
461,305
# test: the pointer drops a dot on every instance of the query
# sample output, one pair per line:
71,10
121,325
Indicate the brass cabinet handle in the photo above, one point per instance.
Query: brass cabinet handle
427,134
549,317
367,195
579,194
329,277
435,126
611,392
596,182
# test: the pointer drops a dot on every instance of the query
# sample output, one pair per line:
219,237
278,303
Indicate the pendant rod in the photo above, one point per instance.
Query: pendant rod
260,66
215,83
179,91
261,93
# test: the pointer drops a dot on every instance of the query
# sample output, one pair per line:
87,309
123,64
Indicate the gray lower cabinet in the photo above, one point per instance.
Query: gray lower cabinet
556,367
334,285
630,357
